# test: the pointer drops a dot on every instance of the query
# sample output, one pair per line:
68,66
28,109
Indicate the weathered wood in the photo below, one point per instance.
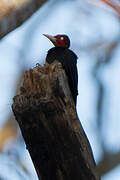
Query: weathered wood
52,132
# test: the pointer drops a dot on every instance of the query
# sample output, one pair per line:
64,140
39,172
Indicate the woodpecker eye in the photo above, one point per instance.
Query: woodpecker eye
62,38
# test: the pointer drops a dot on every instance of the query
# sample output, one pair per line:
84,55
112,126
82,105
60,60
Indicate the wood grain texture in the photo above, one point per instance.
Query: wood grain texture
52,132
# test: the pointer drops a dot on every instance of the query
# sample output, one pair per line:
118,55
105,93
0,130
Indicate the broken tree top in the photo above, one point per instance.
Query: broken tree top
50,127
44,80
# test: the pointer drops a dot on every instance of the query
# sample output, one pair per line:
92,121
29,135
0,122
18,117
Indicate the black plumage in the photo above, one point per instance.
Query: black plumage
68,60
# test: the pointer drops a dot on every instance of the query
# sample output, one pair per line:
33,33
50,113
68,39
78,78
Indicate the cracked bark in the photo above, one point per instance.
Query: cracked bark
50,127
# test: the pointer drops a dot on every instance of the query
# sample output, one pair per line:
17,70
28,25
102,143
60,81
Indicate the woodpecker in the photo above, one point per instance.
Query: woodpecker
67,58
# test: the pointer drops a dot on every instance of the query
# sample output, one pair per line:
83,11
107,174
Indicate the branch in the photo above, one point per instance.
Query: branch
10,128
112,5
12,15
53,134
108,162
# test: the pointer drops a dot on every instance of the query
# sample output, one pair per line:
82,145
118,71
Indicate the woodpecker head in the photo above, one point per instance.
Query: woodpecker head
60,40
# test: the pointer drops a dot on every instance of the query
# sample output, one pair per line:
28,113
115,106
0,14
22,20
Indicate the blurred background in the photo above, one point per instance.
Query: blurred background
94,29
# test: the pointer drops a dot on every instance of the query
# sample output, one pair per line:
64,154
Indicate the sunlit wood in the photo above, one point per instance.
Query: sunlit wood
112,4
13,13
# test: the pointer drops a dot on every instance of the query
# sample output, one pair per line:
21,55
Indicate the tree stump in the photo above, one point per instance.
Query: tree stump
55,139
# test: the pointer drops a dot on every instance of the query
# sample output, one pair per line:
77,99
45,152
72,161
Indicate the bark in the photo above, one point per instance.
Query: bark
51,129
15,13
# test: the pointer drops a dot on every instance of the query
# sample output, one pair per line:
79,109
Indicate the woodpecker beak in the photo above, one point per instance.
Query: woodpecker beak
51,38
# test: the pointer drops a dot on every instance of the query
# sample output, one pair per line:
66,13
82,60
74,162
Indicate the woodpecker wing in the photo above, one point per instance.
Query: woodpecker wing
68,60
72,74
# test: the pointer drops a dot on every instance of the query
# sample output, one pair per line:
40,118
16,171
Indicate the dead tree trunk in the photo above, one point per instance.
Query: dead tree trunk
50,127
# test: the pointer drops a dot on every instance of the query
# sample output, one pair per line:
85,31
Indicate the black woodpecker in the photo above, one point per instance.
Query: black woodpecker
68,59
